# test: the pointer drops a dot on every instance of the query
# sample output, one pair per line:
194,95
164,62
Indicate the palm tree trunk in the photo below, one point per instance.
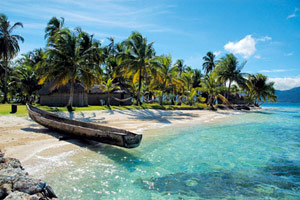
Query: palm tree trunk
162,94
139,89
70,103
228,93
173,97
211,102
161,98
5,80
108,99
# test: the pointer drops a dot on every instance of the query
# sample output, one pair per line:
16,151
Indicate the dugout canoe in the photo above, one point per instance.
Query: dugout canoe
85,130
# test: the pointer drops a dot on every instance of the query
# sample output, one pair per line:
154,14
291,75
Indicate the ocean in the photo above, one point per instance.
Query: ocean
248,155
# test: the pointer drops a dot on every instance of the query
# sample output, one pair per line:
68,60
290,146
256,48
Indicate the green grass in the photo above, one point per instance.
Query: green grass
6,108
22,111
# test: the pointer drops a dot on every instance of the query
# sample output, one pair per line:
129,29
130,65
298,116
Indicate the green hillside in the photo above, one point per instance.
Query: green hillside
292,95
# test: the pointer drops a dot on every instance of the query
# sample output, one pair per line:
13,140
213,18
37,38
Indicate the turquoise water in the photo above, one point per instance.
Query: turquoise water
252,155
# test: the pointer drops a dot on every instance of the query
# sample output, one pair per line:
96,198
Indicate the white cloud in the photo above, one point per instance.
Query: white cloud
274,70
286,83
245,46
257,56
294,14
217,53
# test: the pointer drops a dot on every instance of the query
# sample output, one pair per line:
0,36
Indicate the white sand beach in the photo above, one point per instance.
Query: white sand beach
33,145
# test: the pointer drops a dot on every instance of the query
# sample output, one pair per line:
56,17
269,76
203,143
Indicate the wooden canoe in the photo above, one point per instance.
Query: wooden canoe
79,129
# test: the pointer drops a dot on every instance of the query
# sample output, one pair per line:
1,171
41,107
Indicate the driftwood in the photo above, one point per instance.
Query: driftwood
84,130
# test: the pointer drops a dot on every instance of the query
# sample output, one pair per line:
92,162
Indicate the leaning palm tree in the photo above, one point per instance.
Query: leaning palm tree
9,46
70,59
209,62
259,90
229,70
138,59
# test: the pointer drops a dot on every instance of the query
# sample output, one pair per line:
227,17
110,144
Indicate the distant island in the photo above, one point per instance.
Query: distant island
292,95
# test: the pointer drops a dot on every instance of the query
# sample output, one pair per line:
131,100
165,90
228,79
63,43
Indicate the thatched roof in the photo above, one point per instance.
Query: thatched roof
78,87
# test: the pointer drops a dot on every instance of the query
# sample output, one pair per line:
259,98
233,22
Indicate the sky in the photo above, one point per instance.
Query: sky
265,33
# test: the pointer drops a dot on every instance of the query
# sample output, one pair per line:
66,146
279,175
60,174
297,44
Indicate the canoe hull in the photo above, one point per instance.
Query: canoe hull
103,134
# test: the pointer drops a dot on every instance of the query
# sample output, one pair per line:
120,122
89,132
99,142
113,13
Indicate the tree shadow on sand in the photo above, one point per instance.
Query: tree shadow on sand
157,115
91,117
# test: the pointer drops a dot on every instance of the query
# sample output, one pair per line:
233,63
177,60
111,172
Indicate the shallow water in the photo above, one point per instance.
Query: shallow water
252,155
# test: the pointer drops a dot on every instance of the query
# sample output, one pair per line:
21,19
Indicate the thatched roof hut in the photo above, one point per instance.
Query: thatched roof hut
53,96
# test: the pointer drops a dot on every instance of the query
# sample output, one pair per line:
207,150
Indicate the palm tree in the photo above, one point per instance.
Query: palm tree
187,79
209,62
229,70
180,66
166,74
108,87
213,88
71,58
259,90
26,82
53,27
138,59
33,58
9,46
196,78
186,82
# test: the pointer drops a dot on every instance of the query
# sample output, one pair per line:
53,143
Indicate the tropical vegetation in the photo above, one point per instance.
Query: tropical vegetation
9,47
72,56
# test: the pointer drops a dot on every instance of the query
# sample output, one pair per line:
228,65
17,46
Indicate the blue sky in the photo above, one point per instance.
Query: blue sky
266,33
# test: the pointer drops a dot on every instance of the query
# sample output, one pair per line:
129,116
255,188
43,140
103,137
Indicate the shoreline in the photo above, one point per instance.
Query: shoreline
37,147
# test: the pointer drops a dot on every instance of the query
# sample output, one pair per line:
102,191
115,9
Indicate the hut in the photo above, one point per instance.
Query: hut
60,96
121,97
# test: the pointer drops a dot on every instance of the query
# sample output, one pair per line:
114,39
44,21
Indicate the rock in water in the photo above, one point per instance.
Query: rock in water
49,192
15,183
17,196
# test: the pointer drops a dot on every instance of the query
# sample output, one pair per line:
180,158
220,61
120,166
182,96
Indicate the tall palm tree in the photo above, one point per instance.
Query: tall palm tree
113,60
209,62
53,27
166,74
138,59
180,66
70,59
229,70
9,46
259,90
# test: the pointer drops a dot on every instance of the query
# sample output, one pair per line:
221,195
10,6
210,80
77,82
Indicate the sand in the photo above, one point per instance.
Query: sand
34,145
